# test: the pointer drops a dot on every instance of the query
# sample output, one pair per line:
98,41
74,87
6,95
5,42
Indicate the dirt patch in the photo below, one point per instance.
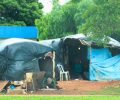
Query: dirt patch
83,85
75,87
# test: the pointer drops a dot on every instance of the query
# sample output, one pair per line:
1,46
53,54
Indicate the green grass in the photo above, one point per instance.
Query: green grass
59,97
111,90
108,93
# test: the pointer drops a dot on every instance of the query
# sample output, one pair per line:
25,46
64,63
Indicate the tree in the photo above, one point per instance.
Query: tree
56,5
19,12
102,19
60,22
82,6
75,1
63,20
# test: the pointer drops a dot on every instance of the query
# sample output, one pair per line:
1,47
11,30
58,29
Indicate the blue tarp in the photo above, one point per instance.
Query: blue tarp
18,32
103,66
98,55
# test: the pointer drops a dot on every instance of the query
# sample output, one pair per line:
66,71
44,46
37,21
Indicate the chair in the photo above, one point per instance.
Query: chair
62,73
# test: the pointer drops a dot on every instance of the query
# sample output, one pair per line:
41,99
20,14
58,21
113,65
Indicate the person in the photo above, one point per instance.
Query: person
49,83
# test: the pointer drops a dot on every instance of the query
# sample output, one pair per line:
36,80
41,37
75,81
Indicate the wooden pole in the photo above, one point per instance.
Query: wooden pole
90,52
53,60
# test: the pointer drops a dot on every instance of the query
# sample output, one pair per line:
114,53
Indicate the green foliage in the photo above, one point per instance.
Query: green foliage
102,18
95,18
75,1
19,12
56,5
63,20
81,9
58,23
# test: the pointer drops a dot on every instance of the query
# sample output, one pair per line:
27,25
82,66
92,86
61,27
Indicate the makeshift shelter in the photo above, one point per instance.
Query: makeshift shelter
88,60
57,45
18,56
84,58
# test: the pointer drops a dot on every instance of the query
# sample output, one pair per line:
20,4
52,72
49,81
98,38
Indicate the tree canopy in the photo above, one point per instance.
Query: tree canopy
19,12
102,19
95,18
60,22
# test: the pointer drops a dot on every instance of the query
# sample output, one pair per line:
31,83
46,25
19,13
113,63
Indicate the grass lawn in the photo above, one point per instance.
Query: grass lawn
111,90
59,97
108,93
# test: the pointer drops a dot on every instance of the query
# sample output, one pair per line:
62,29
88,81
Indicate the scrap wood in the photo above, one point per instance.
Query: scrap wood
3,84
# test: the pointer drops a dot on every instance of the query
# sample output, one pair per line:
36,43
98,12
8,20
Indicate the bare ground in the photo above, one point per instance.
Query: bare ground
75,87
79,87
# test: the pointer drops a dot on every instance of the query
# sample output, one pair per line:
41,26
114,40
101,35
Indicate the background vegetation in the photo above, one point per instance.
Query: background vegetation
95,18
19,12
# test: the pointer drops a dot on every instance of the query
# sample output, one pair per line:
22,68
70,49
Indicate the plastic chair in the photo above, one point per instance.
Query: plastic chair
62,73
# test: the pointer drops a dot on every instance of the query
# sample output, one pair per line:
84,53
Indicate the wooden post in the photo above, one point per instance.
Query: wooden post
53,60
90,51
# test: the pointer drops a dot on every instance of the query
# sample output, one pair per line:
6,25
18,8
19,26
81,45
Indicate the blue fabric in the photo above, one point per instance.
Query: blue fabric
98,55
103,66
12,87
18,32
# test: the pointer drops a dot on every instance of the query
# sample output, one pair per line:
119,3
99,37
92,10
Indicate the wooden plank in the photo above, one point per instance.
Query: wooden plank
2,84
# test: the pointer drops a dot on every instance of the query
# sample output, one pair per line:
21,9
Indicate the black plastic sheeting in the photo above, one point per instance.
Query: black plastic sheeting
18,56
57,44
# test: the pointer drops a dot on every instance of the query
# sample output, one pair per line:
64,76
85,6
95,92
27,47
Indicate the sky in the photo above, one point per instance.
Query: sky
48,4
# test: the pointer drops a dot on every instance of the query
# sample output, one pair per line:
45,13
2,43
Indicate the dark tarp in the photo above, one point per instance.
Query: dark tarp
57,45
18,56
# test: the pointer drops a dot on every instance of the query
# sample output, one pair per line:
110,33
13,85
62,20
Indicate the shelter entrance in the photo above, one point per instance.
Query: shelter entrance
75,59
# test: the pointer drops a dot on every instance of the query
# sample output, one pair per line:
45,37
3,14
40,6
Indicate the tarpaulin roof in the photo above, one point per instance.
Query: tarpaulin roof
55,43
84,40
18,56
